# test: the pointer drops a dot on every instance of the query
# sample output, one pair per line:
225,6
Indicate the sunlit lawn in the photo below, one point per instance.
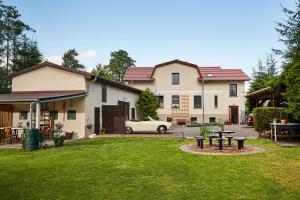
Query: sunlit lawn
148,168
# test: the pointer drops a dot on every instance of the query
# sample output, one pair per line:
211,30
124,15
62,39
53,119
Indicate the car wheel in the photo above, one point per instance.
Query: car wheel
128,130
162,129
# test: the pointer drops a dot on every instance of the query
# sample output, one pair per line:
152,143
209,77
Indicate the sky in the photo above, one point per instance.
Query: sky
230,34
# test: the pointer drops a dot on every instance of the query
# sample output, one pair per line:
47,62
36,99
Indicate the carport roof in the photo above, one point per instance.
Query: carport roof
31,96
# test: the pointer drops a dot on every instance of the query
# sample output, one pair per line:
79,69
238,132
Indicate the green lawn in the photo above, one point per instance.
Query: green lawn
148,168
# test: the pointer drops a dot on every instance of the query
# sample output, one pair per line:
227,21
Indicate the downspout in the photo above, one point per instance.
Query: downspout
203,101
30,111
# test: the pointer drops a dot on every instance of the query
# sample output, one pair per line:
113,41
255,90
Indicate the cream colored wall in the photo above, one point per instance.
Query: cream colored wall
190,85
78,125
94,99
47,79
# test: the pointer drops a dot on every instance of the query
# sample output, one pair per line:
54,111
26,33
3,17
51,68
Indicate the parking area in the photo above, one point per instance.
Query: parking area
240,130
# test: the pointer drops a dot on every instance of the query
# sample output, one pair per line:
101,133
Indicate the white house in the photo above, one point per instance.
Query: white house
191,92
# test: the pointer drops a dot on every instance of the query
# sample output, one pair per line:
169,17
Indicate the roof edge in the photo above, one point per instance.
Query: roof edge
49,64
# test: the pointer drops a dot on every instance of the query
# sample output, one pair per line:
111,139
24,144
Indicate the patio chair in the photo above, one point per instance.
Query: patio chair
7,136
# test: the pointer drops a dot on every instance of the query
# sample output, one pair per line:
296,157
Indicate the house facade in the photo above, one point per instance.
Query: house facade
47,94
197,94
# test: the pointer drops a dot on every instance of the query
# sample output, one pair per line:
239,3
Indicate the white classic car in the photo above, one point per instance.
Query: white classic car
149,126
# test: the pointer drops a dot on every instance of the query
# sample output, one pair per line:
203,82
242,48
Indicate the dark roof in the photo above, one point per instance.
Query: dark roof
49,64
214,73
86,75
30,96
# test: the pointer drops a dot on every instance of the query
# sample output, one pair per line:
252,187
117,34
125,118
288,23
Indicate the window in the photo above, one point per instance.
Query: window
197,101
23,115
175,101
193,120
104,93
232,90
71,115
216,101
133,113
54,115
160,101
175,78
212,120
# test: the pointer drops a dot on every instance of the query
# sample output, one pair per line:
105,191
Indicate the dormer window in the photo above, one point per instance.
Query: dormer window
209,75
175,78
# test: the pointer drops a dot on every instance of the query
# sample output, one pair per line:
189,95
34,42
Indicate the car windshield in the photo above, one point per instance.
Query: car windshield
150,118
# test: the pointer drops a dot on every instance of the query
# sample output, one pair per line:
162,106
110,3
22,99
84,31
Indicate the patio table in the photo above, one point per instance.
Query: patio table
15,130
277,126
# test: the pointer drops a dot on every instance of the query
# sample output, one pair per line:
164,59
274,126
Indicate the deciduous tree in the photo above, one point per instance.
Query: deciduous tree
147,105
120,61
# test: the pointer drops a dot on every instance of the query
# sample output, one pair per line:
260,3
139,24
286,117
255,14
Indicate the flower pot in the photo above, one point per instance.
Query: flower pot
89,126
283,121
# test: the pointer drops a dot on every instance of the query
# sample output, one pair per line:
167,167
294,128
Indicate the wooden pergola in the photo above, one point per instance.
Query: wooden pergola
266,94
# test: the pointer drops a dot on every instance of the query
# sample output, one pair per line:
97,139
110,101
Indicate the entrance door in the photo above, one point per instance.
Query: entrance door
97,120
113,118
125,106
234,114
6,115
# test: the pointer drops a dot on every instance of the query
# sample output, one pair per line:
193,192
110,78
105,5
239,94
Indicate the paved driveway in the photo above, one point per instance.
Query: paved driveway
240,130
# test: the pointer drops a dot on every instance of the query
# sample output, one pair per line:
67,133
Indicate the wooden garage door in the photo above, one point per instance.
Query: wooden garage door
6,115
113,118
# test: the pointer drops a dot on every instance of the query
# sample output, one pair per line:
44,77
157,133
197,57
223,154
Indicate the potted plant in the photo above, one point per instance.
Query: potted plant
283,117
59,136
274,120
89,126
220,125
205,130
103,131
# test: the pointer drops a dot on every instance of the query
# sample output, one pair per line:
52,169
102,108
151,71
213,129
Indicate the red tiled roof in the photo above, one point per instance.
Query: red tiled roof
207,73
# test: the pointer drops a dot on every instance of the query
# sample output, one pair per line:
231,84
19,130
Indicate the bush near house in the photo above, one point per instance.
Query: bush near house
264,116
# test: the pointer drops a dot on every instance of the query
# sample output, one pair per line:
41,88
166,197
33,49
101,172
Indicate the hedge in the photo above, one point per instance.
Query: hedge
263,116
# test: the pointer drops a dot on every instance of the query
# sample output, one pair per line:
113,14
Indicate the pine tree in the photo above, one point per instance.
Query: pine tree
147,105
70,60
27,54
290,36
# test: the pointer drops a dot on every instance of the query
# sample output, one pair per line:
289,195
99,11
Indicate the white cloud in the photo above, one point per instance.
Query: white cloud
55,59
85,55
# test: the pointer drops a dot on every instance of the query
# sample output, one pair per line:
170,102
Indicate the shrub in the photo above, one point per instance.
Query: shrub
59,136
147,105
263,116
205,130
169,119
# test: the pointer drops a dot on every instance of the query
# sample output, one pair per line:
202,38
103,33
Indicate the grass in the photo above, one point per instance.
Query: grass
148,168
